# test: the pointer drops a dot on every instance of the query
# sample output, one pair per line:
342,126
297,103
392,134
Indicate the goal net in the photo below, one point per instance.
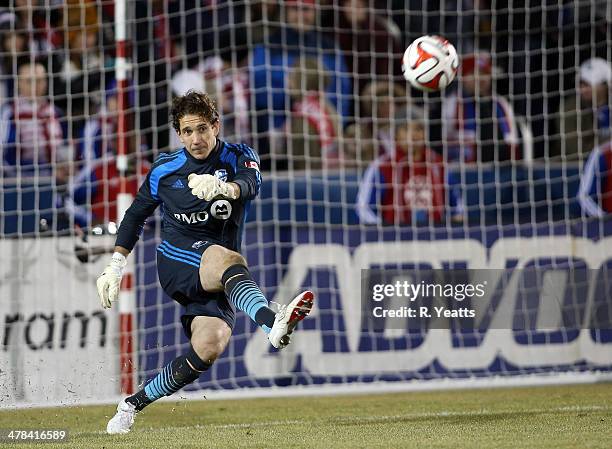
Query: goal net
371,189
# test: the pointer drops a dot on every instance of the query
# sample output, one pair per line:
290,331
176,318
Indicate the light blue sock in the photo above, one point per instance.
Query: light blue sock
243,292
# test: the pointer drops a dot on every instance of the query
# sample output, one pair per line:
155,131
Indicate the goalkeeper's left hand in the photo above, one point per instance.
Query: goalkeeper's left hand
207,187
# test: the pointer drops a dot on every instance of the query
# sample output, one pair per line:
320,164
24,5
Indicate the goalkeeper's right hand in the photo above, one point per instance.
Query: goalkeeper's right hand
207,187
109,281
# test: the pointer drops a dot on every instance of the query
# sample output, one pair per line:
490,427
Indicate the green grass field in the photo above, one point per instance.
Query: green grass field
577,416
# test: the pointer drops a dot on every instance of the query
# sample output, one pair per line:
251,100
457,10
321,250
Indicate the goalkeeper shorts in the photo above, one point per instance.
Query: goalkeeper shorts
178,269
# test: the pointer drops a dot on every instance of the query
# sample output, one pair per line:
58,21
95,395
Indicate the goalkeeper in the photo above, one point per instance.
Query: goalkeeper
204,190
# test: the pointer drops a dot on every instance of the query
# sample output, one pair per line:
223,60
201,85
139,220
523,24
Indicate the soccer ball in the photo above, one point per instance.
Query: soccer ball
430,63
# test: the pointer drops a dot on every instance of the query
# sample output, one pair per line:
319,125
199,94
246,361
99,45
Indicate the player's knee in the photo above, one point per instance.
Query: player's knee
209,343
215,351
208,352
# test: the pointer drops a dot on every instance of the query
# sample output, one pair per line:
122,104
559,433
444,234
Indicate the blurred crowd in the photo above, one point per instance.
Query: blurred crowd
314,86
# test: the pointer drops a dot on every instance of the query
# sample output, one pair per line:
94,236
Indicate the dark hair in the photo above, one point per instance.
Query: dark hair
196,103
23,60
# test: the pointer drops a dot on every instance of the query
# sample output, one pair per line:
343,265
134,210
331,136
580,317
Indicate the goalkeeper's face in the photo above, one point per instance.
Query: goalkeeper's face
198,135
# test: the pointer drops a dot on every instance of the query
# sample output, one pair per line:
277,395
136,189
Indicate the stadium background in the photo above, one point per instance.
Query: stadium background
303,230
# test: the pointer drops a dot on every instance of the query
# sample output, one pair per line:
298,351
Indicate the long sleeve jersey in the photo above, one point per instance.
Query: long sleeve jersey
482,130
32,135
219,220
396,191
595,191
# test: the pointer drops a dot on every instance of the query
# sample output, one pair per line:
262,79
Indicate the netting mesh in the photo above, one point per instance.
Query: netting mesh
509,167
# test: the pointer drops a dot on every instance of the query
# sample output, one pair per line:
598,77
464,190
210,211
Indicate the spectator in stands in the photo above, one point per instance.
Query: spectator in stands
32,135
313,128
406,187
356,149
272,60
584,121
228,87
595,191
155,54
80,75
98,137
371,44
478,125
92,194
380,103
212,27
41,21
13,45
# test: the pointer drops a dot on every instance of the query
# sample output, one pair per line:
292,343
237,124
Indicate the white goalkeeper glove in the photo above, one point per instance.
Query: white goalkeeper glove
109,281
207,187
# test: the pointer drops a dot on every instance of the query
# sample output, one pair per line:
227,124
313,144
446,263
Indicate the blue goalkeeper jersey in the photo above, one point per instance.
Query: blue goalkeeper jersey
220,220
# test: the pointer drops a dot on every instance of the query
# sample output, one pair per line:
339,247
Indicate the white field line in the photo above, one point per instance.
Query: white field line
529,380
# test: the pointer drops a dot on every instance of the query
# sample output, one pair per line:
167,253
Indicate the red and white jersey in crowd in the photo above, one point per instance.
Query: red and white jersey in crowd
317,112
398,190
312,108
31,133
